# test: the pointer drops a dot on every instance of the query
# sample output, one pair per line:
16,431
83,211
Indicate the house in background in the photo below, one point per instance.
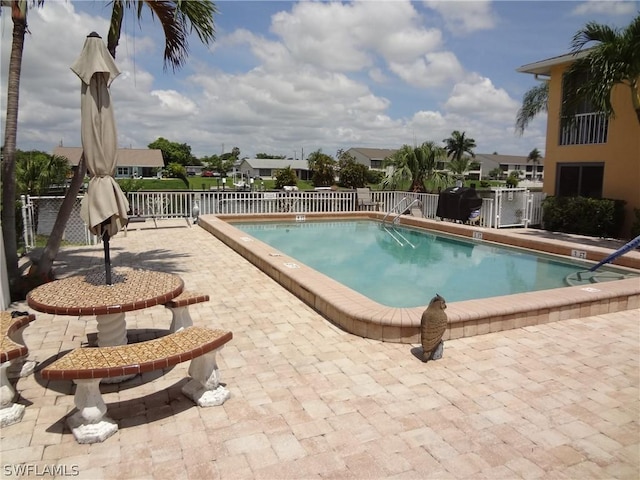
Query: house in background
588,154
267,168
372,158
481,165
132,162
507,164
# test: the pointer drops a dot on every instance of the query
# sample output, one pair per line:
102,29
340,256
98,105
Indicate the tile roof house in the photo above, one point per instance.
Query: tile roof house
374,159
132,162
266,168
508,164
586,153
371,157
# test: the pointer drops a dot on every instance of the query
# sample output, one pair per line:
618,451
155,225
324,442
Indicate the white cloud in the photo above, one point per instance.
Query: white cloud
432,70
609,7
463,17
174,103
478,96
333,90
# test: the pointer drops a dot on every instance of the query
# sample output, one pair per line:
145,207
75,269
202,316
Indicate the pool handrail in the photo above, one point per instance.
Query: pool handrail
396,209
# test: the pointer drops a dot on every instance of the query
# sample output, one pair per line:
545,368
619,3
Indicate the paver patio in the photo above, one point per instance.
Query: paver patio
559,400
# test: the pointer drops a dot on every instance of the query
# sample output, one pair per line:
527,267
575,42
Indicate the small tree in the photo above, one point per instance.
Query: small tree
173,152
495,174
534,157
513,179
219,165
323,168
352,173
286,178
177,170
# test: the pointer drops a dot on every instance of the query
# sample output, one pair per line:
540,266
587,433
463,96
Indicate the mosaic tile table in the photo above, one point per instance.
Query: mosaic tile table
88,294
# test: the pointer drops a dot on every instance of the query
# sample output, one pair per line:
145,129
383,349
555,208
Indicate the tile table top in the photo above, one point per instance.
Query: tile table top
88,294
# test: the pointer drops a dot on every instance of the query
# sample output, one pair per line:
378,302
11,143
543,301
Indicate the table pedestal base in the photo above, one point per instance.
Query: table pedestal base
112,330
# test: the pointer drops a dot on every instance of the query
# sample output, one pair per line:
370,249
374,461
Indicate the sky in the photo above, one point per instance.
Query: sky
291,78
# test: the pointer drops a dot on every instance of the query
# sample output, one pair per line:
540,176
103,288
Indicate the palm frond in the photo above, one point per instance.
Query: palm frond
534,101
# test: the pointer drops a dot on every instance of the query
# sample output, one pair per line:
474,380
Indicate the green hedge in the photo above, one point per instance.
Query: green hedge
584,216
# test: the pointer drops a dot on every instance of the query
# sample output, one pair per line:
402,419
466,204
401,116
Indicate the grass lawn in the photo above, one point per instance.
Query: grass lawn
209,183
204,183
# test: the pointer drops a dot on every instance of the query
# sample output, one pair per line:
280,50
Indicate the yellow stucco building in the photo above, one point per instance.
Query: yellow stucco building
591,155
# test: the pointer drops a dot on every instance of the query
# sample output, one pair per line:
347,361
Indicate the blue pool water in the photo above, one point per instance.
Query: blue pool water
404,267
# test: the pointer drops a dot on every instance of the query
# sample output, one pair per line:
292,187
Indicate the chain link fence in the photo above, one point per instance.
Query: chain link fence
39,216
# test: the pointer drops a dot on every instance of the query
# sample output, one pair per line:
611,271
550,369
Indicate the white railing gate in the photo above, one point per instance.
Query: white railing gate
511,207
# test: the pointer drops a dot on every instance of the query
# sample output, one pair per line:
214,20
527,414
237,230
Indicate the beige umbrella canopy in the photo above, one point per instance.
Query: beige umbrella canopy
104,208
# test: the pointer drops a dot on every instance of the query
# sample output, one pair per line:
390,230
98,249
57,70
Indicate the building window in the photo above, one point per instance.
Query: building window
376,164
264,172
580,179
123,172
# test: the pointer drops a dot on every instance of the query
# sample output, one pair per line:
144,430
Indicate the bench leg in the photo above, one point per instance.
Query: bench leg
204,387
181,319
10,412
90,424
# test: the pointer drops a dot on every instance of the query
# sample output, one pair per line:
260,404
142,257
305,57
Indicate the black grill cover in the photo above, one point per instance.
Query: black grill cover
457,203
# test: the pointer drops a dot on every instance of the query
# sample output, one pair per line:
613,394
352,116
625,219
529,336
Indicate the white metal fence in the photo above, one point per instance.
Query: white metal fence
503,208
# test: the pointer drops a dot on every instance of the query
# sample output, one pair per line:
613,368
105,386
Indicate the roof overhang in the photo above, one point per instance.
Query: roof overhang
543,67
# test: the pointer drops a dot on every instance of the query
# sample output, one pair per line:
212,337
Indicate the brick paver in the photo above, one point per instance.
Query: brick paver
559,400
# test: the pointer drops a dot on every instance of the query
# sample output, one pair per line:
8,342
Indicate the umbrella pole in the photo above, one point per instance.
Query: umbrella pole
107,257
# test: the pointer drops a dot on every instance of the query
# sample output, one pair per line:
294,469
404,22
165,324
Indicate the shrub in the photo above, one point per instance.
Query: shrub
375,176
512,180
584,216
286,178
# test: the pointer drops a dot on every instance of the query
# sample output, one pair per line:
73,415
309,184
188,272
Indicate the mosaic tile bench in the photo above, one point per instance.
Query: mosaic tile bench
179,307
87,366
12,349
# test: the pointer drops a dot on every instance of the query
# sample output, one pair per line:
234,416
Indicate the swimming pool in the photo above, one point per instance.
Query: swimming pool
360,315
404,267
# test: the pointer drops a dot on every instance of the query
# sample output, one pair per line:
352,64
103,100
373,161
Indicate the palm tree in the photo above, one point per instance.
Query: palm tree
178,19
534,101
19,10
613,60
534,157
37,171
456,146
417,165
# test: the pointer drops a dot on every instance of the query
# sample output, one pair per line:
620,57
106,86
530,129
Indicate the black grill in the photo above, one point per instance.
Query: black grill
457,203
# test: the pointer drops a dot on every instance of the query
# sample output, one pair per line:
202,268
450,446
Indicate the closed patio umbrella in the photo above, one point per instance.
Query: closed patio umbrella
104,208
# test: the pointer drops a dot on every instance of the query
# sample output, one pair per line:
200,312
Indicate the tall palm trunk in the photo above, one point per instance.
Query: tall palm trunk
45,263
9,150
115,27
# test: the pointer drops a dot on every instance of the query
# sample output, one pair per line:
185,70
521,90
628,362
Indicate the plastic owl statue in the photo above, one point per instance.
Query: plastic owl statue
432,328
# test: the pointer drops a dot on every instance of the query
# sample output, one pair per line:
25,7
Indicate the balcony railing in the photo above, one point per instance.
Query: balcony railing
584,129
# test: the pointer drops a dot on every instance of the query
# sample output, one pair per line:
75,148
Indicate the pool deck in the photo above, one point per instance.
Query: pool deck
364,317
309,400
